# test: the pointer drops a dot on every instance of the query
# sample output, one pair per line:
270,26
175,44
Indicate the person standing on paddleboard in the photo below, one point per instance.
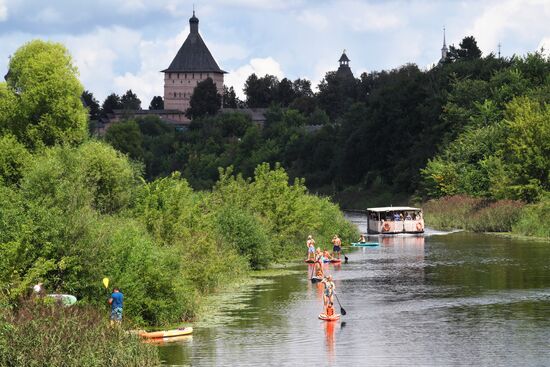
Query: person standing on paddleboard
310,243
116,306
337,242
329,291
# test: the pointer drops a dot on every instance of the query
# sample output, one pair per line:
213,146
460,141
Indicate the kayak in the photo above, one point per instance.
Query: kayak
361,244
65,299
336,261
166,333
174,339
334,317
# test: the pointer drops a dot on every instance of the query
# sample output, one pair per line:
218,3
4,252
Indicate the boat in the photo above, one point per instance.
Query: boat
166,333
365,244
395,220
325,317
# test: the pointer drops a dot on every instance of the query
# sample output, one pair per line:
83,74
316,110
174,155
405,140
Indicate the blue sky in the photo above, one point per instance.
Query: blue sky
123,44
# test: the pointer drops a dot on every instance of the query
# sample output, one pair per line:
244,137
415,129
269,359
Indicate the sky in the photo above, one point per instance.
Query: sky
123,44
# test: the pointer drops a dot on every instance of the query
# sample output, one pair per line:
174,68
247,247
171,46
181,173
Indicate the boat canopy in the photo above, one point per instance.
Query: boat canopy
393,209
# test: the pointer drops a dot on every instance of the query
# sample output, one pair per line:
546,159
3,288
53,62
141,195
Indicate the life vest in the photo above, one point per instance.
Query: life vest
330,310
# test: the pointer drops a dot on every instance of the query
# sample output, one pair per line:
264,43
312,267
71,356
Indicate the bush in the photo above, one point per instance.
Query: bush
40,334
534,219
474,214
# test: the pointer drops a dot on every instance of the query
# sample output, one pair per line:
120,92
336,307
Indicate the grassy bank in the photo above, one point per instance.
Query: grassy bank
482,215
39,334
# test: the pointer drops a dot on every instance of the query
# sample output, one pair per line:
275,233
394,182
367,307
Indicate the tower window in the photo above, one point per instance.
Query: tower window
200,76
193,75
174,94
185,75
178,75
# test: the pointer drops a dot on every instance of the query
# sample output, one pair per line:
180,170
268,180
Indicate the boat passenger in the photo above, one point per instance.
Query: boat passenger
396,217
408,217
362,239
329,290
337,245
310,243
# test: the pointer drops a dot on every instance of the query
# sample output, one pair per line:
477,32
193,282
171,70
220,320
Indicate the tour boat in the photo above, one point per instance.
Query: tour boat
395,220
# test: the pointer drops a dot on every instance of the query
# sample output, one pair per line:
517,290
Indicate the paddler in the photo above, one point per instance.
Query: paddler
310,243
362,239
337,245
329,290
326,256
319,273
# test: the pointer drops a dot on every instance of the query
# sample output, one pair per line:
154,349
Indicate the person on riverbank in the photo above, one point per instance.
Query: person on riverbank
310,243
328,294
337,246
116,302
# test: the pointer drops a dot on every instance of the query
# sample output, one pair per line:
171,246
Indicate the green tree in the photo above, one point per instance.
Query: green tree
126,137
230,99
130,101
157,103
112,102
92,104
467,50
13,159
260,92
205,100
47,95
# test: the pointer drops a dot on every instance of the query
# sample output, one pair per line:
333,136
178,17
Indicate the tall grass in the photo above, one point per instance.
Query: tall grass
534,220
473,214
41,334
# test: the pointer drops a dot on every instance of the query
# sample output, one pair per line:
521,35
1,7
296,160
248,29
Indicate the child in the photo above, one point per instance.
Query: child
329,310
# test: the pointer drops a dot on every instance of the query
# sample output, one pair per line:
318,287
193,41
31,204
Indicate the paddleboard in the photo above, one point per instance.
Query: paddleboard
65,299
336,261
309,261
166,333
363,244
316,280
334,317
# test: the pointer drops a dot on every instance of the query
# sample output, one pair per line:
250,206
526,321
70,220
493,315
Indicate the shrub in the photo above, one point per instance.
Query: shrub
534,219
40,334
495,217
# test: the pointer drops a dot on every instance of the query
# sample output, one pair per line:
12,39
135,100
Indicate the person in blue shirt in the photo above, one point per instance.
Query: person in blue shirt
116,306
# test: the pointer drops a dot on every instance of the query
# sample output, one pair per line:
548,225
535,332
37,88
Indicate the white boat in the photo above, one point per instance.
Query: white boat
395,220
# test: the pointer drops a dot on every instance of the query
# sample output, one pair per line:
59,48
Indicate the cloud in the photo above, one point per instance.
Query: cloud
544,45
259,66
3,11
314,20
262,4
365,17
501,20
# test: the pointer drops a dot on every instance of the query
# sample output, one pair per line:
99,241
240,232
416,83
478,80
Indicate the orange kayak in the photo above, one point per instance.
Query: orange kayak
329,318
166,333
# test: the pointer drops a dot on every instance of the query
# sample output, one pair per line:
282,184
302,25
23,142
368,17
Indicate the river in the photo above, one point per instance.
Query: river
442,299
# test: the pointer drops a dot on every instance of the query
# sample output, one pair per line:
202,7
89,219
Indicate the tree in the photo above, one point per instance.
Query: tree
126,137
230,99
42,82
92,104
285,92
111,103
260,92
205,100
130,101
468,50
157,103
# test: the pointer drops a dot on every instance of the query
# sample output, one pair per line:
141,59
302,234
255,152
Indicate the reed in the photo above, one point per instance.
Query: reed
36,333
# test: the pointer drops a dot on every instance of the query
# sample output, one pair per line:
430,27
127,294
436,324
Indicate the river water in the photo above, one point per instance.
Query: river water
442,299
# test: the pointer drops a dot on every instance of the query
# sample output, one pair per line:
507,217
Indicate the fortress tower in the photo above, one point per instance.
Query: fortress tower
193,63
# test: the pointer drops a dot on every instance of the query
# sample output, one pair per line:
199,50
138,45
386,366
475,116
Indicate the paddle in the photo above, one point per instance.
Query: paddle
342,311
345,257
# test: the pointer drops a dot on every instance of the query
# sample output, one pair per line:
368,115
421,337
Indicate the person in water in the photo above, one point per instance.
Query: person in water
337,246
310,243
362,239
116,306
329,290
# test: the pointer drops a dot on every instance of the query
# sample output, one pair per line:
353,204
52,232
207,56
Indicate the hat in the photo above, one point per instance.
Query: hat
309,237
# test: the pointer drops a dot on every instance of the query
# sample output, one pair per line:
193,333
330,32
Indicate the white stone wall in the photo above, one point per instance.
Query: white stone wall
179,87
